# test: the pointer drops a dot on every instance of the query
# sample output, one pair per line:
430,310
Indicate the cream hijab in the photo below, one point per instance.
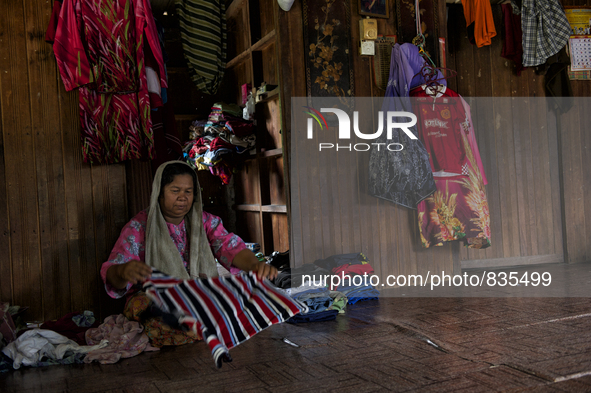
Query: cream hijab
162,253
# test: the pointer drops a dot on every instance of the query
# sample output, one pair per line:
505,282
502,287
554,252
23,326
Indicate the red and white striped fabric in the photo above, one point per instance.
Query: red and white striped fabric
225,310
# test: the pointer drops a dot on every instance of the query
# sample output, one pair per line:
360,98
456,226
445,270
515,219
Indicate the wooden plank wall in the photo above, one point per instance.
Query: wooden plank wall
536,188
575,142
322,184
515,160
59,216
292,80
533,162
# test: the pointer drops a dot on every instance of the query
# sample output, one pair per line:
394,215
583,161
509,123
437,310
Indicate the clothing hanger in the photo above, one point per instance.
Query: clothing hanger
429,71
419,41
430,76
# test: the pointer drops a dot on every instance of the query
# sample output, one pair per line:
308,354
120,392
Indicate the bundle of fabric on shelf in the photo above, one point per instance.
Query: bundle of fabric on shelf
216,142
317,298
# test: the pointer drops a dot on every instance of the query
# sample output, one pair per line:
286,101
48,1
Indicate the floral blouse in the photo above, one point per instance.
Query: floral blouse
131,245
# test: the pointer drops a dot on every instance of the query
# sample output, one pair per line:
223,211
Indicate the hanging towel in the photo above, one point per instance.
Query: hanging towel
203,34
225,310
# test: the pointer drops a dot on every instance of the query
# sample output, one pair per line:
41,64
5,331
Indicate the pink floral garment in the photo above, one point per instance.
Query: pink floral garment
100,46
131,242
125,339
458,210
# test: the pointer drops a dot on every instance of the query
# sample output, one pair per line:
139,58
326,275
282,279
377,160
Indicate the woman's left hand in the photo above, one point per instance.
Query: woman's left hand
264,270
247,261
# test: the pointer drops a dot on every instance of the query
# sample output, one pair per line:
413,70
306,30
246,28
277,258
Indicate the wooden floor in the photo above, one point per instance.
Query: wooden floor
392,344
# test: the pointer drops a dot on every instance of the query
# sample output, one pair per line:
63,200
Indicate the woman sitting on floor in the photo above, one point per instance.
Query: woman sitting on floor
177,237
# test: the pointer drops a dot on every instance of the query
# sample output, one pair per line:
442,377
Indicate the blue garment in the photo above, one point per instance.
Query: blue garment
359,293
403,177
316,300
86,319
5,363
211,158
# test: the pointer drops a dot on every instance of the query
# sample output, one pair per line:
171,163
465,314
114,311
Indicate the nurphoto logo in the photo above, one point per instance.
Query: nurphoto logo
394,120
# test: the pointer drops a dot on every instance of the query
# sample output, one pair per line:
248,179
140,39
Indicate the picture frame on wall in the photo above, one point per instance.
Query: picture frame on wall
374,8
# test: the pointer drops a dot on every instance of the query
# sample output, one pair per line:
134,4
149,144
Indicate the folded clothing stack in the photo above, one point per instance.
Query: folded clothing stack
321,304
217,141
360,292
312,284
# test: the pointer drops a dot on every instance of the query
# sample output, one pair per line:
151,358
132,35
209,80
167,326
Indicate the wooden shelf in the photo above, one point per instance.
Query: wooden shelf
261,44
254,60
186,117
263,208
265,154
176,70
273,94
271,153
274,209
234,7
264,42
239,59
248,208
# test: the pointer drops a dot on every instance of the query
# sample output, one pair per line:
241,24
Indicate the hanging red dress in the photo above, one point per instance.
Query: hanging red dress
458,210
100,47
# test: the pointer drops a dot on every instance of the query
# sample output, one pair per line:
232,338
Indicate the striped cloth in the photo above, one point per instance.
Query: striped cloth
225,310
203,35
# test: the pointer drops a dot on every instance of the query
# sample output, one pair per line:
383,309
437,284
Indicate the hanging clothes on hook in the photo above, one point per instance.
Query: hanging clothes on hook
101,49
545,30
458,210
403,177
479,22
512,45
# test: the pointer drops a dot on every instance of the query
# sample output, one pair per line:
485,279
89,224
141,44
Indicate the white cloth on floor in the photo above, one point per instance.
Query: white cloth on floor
33,345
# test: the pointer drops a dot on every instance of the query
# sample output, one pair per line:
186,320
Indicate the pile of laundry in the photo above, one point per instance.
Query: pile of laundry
220,311
223,311
74,338
217,142
326,286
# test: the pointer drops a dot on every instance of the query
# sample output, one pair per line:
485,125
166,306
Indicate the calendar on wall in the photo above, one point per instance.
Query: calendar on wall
579,19
580,52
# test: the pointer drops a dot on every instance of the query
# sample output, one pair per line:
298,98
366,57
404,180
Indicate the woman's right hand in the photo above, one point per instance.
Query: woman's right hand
135,272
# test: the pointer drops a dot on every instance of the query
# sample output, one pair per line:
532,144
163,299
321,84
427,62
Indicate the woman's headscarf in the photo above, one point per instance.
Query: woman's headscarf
162,253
